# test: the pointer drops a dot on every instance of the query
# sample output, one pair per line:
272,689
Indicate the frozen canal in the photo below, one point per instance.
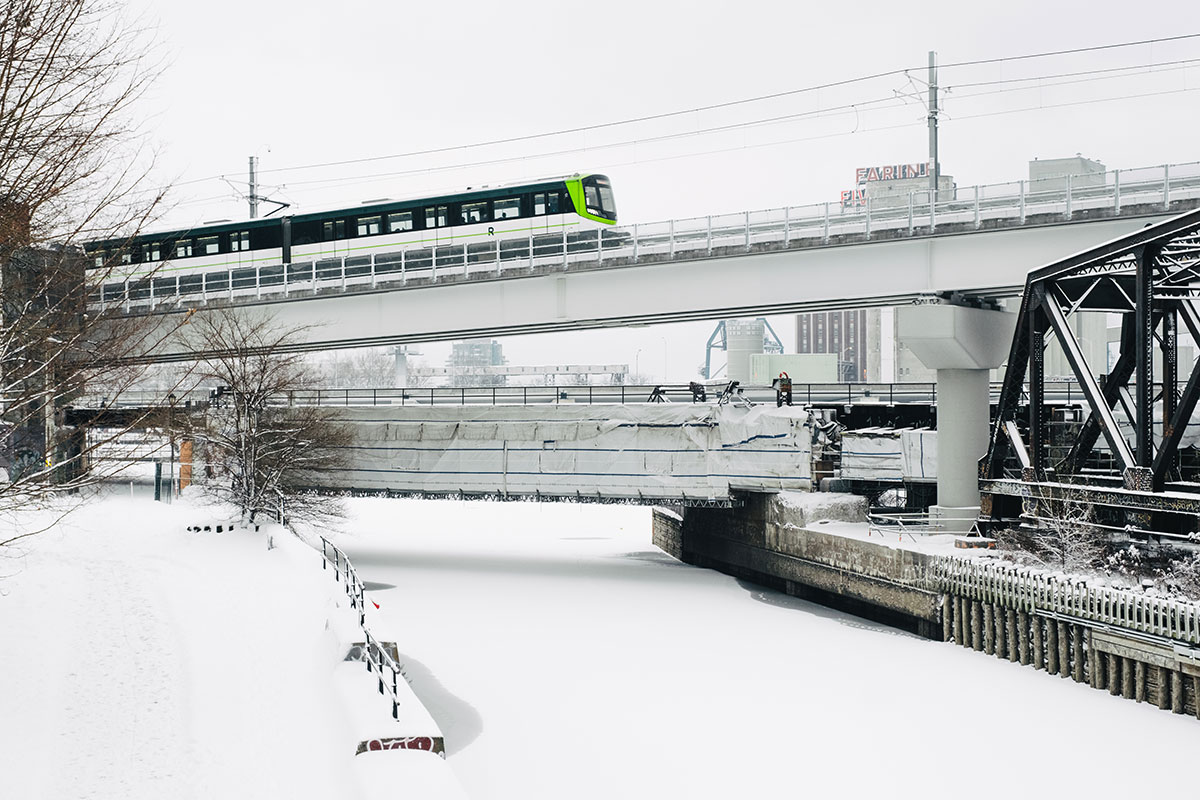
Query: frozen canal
565,656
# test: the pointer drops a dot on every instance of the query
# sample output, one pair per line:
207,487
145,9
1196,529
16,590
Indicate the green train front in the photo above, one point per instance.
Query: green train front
531,221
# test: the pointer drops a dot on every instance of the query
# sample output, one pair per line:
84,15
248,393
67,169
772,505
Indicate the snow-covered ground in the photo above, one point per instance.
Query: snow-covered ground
561,654
564,656
143,661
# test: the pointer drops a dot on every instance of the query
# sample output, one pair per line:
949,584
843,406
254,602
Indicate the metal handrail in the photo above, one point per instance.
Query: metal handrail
375,656
586,394
698,237
902,523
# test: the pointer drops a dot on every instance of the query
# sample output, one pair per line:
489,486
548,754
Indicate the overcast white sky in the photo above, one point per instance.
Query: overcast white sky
309,83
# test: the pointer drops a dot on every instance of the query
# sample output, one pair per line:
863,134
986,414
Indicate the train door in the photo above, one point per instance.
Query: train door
333,238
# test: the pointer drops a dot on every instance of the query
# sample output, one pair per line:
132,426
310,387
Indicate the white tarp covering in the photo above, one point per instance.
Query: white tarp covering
890,454
919,451
872,454
656,451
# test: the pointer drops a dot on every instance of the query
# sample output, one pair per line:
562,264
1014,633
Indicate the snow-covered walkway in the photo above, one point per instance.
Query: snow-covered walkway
142,661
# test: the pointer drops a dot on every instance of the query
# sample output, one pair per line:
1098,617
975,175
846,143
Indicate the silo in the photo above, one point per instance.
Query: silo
743,338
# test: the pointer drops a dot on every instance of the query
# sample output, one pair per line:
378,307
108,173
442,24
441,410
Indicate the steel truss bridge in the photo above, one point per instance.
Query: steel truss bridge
1125,462
775,261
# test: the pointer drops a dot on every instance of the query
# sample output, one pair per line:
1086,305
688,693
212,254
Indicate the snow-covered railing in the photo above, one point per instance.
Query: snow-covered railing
1069,597
971,208
374,655
802,394
904,523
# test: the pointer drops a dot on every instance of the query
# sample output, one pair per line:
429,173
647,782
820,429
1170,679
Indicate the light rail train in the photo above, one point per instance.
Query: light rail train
519,221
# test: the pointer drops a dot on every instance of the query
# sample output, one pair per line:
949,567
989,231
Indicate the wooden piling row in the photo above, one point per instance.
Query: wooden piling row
1066,649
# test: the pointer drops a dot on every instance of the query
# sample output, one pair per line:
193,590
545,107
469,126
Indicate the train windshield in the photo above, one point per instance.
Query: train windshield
598,197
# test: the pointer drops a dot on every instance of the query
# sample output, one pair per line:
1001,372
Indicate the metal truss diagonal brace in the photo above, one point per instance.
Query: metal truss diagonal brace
1118,378
1087,382
1178,425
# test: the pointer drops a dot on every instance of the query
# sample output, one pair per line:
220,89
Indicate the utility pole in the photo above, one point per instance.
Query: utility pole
254,181
933,128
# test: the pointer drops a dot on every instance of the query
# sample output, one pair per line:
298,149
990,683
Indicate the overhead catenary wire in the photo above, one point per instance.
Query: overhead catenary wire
727,104
858,107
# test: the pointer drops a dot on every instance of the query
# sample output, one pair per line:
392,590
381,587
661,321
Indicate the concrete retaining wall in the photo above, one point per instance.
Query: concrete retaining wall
766,541
1151,656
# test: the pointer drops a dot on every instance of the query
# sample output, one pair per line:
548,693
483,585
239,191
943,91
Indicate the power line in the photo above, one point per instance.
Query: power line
728,104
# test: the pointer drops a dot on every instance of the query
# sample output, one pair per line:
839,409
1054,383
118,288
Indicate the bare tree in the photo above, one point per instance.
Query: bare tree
266,449
1061,535
72,170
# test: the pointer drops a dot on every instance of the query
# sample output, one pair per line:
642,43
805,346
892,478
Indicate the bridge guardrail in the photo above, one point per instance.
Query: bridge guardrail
815,224
802,394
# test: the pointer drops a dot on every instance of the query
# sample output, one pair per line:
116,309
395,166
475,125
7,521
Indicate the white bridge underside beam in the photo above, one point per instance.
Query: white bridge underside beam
896,271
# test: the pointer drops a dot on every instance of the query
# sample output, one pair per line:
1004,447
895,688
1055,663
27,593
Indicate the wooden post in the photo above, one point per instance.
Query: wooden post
1196,695
1114,673
1176,691
1010,617
960,636
1064,651
1039,649
1127,679
998,616
1023,636
1164,688
947,618
1077,646
976,625
1051,647
1096,669
1139,682
989,628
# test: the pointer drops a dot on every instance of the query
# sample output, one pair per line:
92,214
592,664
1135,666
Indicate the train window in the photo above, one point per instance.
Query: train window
435,217
508,208
369,226
473,212
548,203
207,245
607,201
125,257
98,258
183,248
334,229
151,251
591,199
400,221
239,240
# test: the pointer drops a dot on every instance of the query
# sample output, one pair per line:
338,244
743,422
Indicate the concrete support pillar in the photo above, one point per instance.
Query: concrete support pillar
963,344
962,424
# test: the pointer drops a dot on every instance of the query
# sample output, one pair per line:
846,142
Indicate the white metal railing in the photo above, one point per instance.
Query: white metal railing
1020,203
904,523
1070,597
